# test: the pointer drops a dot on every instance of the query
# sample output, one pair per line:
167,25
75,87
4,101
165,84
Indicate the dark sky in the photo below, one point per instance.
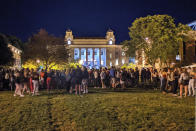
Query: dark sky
23,18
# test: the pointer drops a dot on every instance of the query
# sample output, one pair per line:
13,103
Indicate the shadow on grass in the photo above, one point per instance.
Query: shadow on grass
99,91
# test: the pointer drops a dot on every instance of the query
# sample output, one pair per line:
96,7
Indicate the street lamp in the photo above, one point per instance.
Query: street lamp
38,61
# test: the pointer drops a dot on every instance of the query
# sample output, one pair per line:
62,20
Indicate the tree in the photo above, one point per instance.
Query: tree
129,48
15,42
48,49
157,36
5,52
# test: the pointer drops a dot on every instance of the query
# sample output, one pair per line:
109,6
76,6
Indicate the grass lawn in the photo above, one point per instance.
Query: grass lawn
101,109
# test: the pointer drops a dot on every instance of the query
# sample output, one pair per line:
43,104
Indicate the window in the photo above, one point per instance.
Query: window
123,61
110,41
82,52
69,42
116,61
95,62
88,53
110,63
123,53
178,57
110,55
76,53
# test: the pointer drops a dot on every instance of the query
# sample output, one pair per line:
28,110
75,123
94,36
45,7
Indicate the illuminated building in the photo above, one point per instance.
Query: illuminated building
16,55
95,52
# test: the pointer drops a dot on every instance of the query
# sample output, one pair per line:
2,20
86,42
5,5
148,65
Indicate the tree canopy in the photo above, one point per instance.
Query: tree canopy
157,36
5,52
45,49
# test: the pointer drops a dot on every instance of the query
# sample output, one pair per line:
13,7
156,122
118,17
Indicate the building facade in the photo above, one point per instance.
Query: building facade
95,52
16,55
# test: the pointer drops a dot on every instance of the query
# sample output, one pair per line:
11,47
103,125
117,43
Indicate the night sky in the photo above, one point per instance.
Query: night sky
23,18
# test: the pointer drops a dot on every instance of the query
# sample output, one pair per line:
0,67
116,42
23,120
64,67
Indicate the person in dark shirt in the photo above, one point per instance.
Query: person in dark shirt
18,85
25,82
78,80
73,79
85,80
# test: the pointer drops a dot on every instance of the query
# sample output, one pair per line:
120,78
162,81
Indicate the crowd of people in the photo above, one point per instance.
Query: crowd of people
30,81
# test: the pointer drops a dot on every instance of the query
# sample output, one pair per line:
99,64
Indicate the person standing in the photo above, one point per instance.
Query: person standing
136,76
184,81
192,83
35,81
85,80
103,78
30,80
154,78
48,81
67,80
42,73
18,88
163,78
96,79
25,83
78,77
170,79
112,77
176,77
122,78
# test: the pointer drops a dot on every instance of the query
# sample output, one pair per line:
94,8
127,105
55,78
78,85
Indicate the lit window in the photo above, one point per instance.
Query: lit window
178,57
116,61
110,55
110,63
82,52
123,53
101,62
69,42
95,53
88,53
110,42
123,61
